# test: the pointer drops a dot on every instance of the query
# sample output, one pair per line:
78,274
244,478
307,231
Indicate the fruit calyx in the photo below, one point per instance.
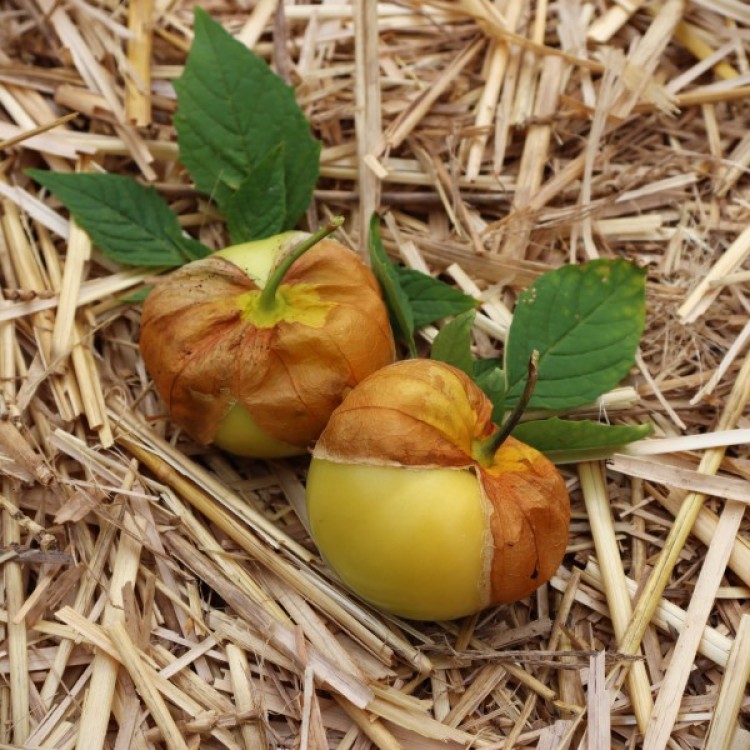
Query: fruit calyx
483,451
268,301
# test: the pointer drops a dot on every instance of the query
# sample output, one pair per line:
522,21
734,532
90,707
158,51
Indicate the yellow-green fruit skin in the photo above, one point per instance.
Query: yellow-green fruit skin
410,541
238,433
257,258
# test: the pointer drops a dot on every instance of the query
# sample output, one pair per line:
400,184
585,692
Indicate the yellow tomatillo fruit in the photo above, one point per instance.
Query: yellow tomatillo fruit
408,507
253,347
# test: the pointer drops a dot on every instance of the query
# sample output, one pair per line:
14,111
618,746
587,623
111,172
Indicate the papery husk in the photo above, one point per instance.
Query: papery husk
530,519
424,414
419,413
205,355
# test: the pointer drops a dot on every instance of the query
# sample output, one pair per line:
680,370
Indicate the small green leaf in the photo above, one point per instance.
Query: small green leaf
432,299
586,322
399,307
257,210
489,376
129,222
566,441
232,112
453,343
138,296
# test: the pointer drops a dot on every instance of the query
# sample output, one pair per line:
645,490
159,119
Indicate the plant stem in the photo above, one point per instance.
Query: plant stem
484,450
267,300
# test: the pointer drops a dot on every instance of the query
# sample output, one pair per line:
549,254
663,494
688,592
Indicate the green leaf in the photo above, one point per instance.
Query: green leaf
432,299
257,210
399,307
489,376
232,112
129,222
585,321
453,343
566,441
138,296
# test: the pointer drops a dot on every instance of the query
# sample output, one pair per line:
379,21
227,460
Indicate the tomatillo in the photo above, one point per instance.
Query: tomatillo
418,511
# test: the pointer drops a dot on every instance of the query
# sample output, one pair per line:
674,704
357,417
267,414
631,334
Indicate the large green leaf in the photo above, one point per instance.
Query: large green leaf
257,210
129,222
566,441
232,112
586,322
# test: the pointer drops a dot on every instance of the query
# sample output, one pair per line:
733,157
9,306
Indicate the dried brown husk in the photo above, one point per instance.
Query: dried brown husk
419,413
529,522
423,414
205,354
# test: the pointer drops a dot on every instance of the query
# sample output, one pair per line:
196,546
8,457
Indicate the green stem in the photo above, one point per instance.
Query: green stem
484,450
267,300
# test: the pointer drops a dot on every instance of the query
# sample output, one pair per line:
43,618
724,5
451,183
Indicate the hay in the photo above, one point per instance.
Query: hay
160,594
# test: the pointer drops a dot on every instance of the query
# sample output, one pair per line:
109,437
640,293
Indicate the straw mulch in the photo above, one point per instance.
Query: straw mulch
159,594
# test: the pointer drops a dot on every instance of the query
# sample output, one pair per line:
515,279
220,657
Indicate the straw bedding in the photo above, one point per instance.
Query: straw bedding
160,594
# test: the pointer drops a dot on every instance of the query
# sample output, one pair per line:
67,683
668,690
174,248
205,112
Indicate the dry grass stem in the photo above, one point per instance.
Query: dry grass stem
595,498
668,703
724,722
368,112
138,82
